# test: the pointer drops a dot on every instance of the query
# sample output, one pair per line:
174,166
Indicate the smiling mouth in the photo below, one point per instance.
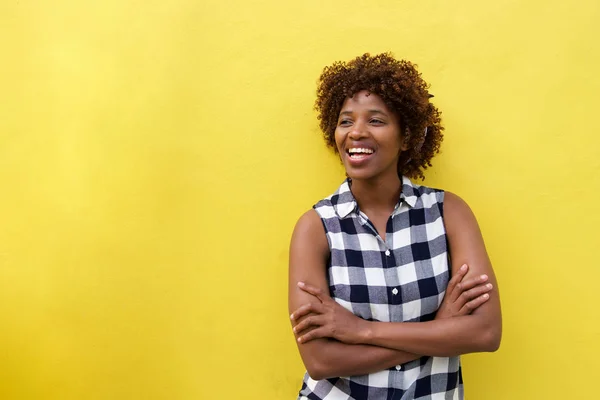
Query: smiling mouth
359,153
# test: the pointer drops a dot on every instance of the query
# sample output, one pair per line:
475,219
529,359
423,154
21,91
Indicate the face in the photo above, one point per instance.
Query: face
368,137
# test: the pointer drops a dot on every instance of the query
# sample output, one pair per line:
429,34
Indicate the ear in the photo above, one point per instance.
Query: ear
405,140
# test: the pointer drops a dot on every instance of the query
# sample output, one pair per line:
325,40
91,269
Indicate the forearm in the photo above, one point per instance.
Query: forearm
441,338
327,358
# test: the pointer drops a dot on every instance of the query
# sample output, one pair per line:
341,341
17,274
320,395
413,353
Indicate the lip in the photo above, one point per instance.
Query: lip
361,159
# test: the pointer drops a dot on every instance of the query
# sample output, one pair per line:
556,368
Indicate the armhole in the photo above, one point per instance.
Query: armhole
441,198
325,231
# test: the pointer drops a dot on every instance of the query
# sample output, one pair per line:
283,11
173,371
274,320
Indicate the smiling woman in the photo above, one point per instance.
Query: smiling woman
364,154
389,281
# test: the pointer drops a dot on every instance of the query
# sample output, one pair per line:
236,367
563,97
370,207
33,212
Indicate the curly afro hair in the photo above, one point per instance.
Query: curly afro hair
401,87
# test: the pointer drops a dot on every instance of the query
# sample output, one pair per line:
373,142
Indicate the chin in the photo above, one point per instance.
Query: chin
360,175
371,174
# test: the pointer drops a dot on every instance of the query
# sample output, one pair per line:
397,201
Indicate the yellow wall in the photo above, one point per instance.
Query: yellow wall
155,155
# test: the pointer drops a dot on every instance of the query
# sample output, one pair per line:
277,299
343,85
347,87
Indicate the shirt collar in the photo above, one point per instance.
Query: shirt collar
409,191
343,200
344,203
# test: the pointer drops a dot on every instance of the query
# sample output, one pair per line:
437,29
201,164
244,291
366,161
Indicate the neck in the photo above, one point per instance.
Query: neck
377,194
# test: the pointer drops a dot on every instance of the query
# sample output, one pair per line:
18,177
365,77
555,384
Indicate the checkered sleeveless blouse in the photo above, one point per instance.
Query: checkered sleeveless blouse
401,279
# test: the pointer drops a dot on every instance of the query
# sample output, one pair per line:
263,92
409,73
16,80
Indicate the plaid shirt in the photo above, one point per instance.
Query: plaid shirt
401,279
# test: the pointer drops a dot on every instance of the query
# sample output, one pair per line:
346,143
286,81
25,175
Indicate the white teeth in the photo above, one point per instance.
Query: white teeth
360,150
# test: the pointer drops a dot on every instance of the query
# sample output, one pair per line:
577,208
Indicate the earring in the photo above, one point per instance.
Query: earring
422,141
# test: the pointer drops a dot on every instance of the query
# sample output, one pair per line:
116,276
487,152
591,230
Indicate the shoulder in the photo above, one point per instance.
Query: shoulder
309,228
422,196
311,225
454,204
422,189
323,209
310,221
309,235
329,207
457,213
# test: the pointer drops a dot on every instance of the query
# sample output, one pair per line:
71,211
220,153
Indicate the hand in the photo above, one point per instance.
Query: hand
328,319
464,296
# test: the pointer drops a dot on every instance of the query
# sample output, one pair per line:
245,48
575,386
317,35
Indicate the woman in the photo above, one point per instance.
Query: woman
389,281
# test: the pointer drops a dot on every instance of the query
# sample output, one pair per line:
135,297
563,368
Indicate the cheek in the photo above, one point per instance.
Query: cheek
395,147
339,140
399,143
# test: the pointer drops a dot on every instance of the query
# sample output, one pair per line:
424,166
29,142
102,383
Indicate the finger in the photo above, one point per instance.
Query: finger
314,334
474,304
468,295
477,291
451,289
318,293
467,284
470,283
308,322
306,309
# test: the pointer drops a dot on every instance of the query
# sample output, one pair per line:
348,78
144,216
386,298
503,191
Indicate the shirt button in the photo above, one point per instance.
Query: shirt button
387,253
395,290
398,367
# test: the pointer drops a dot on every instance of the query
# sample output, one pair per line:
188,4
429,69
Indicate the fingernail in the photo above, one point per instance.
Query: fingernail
301,284
464,267
489,285
294,330
483,277
292,316
485,296
299,340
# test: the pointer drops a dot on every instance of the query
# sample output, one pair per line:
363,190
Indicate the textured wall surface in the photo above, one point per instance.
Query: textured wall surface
154,157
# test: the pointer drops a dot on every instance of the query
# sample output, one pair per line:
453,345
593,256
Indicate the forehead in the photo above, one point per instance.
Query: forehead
365,100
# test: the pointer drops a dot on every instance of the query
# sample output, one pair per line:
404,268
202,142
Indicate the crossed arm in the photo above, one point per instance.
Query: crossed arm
334,342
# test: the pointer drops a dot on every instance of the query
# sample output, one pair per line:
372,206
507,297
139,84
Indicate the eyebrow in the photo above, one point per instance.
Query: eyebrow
372,111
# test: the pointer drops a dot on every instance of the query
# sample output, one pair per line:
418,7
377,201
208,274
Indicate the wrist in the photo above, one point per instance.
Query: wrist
365,332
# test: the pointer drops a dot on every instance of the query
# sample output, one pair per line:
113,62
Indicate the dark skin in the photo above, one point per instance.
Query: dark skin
333,341
325,357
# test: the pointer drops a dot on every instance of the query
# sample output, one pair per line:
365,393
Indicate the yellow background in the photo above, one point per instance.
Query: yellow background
154,157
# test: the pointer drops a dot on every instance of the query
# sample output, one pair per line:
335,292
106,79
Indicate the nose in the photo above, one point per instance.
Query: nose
358,131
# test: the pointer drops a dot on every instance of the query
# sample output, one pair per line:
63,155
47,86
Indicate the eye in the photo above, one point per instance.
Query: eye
345,122
376,121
